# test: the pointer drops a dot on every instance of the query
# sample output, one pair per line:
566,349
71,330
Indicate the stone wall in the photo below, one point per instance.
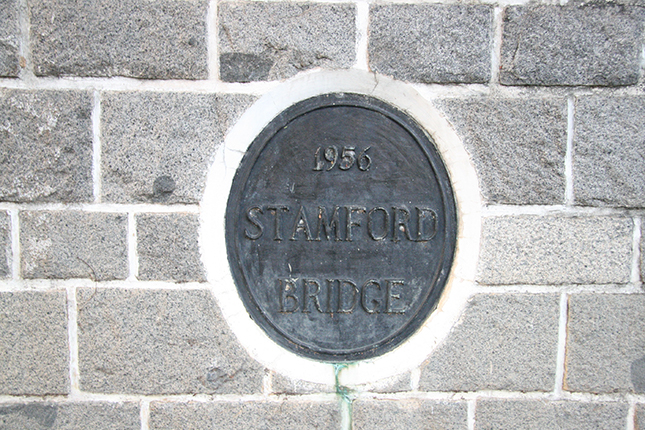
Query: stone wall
112,113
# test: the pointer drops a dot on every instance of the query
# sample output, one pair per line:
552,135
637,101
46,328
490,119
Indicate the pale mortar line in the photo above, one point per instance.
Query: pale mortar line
14,216
362,35
341,2
593,398
213,40
555,289
472,408
637,398
437,91
415,378
144,414
102,207
564,93
133,256
433,91
631,416
491,2
72,338
508,210
57,284
27,72
635,277
345,415
117,84
642,61
568,157
562,345
96,147
130,84
85,397
457,396
120,84
267,382
330,397
497,395
496,48
634,289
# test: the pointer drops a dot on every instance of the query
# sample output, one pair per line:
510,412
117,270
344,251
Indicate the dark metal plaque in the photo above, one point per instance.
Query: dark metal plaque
341,227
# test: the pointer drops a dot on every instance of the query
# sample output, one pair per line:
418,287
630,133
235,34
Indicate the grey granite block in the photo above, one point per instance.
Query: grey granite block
283,415
162,39
432,43
9,39
45,146
541,414
73,244
640,417
606,343
502,342
157,146
518,146
33,343
555,250
580,44
70,416
260,41
409,414
159,342
168,248
5,245
608,148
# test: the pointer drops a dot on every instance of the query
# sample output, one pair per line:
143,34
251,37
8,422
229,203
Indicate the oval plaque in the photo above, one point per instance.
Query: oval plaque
341,227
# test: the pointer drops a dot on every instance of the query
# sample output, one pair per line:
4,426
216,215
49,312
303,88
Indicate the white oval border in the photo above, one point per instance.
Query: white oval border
459,287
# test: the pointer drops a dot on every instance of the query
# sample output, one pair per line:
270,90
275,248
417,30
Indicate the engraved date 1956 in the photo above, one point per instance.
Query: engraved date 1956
330,157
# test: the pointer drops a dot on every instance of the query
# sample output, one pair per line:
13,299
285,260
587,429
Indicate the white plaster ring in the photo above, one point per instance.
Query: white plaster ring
459,288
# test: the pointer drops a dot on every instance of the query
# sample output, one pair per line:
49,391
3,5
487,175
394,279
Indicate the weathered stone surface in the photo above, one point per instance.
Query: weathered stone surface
284,385
33,343
157,146
73,244
159,342
539,415
168,248
394,384
162,39
432,43
609,143
283,415
518,146
70,416
579,44
640,417
5,245
606,343
503,342
9,39
555,250
409,414
260,41
45,146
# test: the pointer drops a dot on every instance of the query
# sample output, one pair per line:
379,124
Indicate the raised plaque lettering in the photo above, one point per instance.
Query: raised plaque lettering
341,227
